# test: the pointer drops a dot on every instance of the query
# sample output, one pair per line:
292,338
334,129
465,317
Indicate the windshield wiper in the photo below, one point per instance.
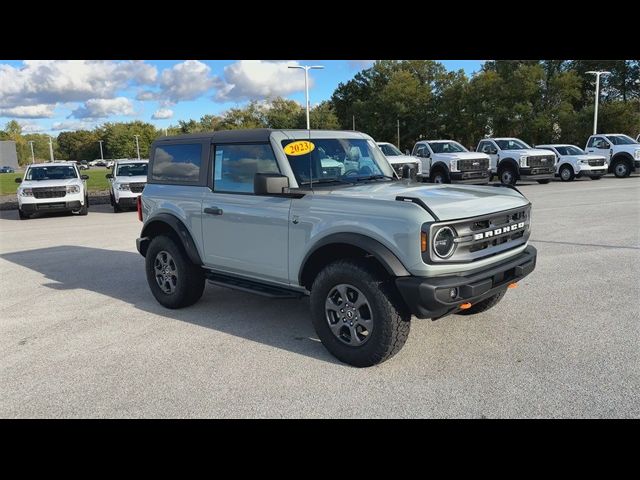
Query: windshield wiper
328,180
376,177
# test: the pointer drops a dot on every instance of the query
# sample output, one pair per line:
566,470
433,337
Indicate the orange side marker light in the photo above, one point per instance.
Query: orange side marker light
513,285
464,306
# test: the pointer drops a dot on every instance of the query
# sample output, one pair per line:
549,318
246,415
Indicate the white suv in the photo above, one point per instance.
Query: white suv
398,160
447,161
621,151
574,163
52,187
126,183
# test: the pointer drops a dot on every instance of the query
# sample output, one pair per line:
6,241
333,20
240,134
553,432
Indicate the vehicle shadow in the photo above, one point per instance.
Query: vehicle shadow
283,324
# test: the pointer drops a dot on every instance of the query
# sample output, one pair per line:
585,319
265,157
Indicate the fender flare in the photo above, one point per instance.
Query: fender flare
386,257
568,165
175,224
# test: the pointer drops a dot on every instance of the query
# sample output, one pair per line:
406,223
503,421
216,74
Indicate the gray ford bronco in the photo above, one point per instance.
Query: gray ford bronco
288,213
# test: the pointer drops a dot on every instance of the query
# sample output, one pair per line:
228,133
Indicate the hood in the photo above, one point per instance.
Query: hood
531,151
448,202
395,159
462,155
132,179
49,183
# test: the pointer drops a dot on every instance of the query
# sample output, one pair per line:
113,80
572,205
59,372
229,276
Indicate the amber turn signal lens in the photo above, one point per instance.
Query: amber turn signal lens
464,306
513,285
423,241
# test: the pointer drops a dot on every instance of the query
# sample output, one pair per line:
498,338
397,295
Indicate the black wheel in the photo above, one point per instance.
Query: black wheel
172,278
621,169
85,208
111,201
440,176
508,175
484,305
116,207
597,177
22,215
358,313
566,173
544,182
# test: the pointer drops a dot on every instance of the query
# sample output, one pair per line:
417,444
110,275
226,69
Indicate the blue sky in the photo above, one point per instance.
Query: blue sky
52,96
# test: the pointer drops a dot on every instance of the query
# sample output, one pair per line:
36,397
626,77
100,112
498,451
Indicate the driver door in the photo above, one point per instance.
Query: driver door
491,149
424,154
600,146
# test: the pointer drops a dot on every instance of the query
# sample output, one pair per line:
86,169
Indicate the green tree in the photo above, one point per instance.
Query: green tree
119,138
283,113
79,145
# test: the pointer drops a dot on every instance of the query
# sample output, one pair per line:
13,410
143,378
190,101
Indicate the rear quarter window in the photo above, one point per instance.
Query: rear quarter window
177,163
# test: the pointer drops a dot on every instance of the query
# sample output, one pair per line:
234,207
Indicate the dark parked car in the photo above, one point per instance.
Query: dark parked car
6,169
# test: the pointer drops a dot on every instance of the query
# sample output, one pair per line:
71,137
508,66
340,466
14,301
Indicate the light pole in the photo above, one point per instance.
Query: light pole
137,146
306,69
595,112
33,158
101,155
51,148
398,133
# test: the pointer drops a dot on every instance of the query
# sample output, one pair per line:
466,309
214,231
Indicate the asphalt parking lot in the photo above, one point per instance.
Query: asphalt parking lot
82,336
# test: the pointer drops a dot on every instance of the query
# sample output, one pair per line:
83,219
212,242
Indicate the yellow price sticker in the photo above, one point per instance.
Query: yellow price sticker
299,148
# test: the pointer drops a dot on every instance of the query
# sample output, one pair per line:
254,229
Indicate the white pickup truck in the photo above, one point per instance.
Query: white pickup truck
513,160
621,152
574,163
398,160
446,161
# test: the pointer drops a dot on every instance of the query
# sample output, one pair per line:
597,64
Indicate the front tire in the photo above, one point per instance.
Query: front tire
440,177
116,206
508,176
85,208
566,174
174,281
357,313
544,182
621,169
484,305
22,215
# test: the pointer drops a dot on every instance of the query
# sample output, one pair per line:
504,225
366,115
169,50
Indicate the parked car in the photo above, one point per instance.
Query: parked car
7,169
621,152
572,162
448,161
126,183
256,210
52,187
83,165
110,164
513,160
398,160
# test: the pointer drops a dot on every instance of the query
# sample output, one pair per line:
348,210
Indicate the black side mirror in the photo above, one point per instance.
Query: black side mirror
84,177
270,184
109,175
493,151
18,180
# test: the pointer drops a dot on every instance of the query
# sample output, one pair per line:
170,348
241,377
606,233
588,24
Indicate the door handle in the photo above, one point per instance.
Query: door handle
213,210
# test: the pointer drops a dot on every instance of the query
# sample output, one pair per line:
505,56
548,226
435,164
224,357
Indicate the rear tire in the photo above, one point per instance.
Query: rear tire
370,329
167,264
484,305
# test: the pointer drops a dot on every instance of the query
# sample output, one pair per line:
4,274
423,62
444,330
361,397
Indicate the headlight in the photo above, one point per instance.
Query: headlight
123,186
26,192
523,160
637,154
453,165
583,162
73,189
443,243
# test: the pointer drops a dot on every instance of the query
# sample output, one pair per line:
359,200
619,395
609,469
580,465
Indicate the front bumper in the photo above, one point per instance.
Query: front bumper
52,206
128,201
474,176
429,297
589,171
537,173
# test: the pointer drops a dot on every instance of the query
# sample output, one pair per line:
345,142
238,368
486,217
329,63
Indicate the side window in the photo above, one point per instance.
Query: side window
235,165
177,163
483,147
419,151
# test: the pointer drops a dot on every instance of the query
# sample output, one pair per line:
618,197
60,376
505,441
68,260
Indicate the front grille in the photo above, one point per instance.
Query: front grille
399,166
49,192
483,236
541,161
597,163
136,187
473,164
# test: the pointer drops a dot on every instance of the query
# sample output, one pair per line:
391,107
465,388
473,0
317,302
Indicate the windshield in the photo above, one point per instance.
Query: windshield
390,150
511,144
570,150
338,160
446,147
58,172
131,169
621,140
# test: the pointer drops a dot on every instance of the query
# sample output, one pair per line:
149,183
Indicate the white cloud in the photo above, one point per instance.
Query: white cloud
73,125
255,79
162,113
31,127
104,107
360,64
146,95
28,111
184,81
51,81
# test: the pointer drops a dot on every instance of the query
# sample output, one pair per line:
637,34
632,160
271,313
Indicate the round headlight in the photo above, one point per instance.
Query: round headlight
443,243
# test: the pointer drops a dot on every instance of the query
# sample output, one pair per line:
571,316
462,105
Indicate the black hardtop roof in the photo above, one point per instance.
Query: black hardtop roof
243,135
